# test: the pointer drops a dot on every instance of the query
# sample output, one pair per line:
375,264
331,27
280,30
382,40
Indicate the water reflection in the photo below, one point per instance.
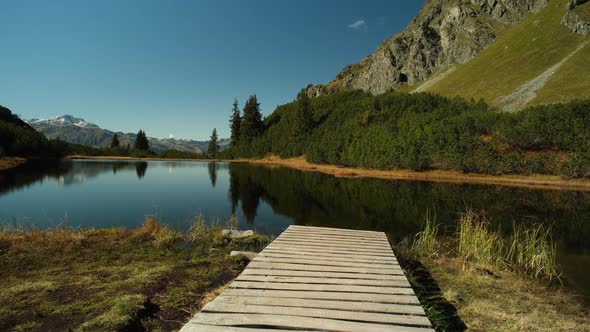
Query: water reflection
212,167
140,169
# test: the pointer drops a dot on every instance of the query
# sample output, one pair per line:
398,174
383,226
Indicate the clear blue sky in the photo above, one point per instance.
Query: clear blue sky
174,67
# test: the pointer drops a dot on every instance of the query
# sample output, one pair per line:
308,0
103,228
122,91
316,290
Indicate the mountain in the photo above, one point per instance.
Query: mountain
79,131
511,53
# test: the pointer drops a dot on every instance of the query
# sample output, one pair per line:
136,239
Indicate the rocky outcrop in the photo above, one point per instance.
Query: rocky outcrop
445,32
575,20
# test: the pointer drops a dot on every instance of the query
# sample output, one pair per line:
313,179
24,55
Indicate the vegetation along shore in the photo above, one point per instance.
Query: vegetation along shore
476,278
115,279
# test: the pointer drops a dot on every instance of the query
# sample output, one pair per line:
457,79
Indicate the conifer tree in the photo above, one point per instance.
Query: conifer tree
213,148
235,124
115,141
252,125
141,141
302,121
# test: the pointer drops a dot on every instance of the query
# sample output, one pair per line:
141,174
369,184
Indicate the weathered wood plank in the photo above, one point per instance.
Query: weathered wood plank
325,262
284,321
342,239
322,288
351,232
347,238
351,297
279,242
325,304
319,248
307,267
337,258
195,327
292,273
221,306
333,244
332,281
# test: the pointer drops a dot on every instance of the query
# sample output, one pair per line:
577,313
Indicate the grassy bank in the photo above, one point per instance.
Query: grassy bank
152,277
476,279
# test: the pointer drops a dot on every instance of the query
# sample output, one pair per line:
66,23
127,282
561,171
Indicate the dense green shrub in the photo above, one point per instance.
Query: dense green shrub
426,131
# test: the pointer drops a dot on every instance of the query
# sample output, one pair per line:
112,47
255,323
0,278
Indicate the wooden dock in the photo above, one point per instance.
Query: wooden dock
317,279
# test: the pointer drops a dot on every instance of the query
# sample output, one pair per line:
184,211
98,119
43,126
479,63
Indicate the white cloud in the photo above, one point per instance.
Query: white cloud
170,135
358,25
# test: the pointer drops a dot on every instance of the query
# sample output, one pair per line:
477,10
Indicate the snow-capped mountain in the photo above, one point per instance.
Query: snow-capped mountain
64,120
79,131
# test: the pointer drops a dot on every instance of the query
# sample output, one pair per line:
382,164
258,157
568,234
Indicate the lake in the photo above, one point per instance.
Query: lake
269,199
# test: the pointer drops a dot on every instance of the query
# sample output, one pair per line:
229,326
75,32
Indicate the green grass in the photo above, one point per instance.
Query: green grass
103,279
521,53
425,241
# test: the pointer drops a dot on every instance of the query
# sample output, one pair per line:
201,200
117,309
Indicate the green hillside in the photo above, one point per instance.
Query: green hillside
522,53
423,131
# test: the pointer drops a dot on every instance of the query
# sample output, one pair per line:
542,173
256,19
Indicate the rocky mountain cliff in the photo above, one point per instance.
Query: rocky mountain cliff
444,33
79,131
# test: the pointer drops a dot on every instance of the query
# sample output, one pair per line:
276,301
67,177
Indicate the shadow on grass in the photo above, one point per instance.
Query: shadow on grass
441,312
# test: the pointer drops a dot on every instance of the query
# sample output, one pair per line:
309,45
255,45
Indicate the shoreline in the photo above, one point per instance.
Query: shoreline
11,162
552,182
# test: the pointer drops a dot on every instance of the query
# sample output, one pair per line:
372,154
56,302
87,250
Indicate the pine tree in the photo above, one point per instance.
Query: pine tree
141,141
115,141
302,121
213,148
235,124
252,125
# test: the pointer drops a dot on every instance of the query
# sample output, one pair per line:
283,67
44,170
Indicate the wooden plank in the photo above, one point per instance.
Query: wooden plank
343,231
285,321
325,262
221,306
336,258
332,281
195,327
350,297
346,237
314,252
279,242
291,273
326,304
334,244
322,288
307,235
307,267
319,248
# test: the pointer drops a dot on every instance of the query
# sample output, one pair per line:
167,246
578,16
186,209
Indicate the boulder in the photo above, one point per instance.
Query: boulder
235,234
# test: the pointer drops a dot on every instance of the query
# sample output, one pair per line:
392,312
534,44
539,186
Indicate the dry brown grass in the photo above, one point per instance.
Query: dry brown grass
11,162
161,235
505,302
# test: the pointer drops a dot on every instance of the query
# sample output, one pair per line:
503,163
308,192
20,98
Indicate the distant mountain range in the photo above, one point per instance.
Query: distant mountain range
79,131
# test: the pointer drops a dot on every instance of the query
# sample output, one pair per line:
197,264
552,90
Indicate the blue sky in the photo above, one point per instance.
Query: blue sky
174,67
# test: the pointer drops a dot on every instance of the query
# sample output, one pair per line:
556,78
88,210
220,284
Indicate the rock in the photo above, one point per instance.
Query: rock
235,234
248,254
574,21
445,33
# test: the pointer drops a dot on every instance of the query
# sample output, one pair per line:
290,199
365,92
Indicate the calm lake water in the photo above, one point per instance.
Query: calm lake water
268,200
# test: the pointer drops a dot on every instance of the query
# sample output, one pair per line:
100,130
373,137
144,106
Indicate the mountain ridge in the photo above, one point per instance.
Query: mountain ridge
79,131
450,34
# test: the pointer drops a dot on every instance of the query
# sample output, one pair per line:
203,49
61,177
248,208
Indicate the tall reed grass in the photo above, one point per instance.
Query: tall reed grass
425,243
530,250
477,242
